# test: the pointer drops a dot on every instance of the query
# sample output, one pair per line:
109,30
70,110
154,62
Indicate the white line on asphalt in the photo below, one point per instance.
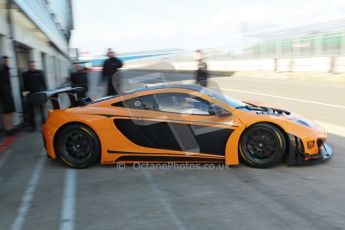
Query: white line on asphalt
68,202
331,128
285,98
163,201
335,129
28,194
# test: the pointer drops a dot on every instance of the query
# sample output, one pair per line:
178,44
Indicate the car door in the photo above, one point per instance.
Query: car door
182,122
130,123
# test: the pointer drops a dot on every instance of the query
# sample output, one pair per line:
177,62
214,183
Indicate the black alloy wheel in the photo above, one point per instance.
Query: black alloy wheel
262,145
77,145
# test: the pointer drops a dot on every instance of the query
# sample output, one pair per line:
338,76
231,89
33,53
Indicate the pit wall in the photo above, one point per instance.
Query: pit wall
310,64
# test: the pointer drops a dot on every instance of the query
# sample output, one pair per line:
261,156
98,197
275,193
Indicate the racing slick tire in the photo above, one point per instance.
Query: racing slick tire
262,145
77,145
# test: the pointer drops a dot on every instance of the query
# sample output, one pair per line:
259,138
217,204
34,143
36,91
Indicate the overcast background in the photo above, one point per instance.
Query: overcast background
136,25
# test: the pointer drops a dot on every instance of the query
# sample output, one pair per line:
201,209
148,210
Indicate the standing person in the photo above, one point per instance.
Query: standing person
201,73
110,67
6,97
79,78
34,81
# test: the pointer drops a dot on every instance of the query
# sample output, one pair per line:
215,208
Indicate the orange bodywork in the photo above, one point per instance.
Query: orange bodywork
100,118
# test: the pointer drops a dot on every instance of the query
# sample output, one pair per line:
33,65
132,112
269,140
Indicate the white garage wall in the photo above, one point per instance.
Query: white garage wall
27,34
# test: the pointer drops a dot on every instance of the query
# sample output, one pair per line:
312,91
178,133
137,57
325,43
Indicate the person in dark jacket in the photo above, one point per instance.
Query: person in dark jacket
201,73
34,81
110,67
6,97
79,78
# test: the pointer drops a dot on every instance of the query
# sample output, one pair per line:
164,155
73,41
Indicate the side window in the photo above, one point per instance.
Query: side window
182,103
133,103
169,102
148,102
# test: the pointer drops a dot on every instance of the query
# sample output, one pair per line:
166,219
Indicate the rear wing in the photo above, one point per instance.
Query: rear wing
43,97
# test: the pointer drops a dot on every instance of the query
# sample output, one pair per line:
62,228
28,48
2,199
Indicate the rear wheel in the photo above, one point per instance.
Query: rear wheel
262,145
77,145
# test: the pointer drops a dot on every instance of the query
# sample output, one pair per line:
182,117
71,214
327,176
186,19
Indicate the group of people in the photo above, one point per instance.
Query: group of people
79,77
34,81
110,68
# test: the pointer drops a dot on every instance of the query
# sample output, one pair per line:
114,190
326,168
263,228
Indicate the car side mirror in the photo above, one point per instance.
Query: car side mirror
218,111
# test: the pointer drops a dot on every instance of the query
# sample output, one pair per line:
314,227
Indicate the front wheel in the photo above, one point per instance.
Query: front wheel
262,145
77,145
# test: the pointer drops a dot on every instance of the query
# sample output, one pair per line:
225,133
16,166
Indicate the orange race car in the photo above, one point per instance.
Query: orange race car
180,123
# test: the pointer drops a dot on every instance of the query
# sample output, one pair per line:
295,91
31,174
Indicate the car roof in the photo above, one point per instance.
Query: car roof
167,86
192,87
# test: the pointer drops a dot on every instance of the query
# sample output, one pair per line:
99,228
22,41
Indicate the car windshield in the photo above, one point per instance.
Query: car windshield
220,97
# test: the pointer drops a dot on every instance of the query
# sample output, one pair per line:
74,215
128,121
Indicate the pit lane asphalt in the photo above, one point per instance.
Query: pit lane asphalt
107,197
